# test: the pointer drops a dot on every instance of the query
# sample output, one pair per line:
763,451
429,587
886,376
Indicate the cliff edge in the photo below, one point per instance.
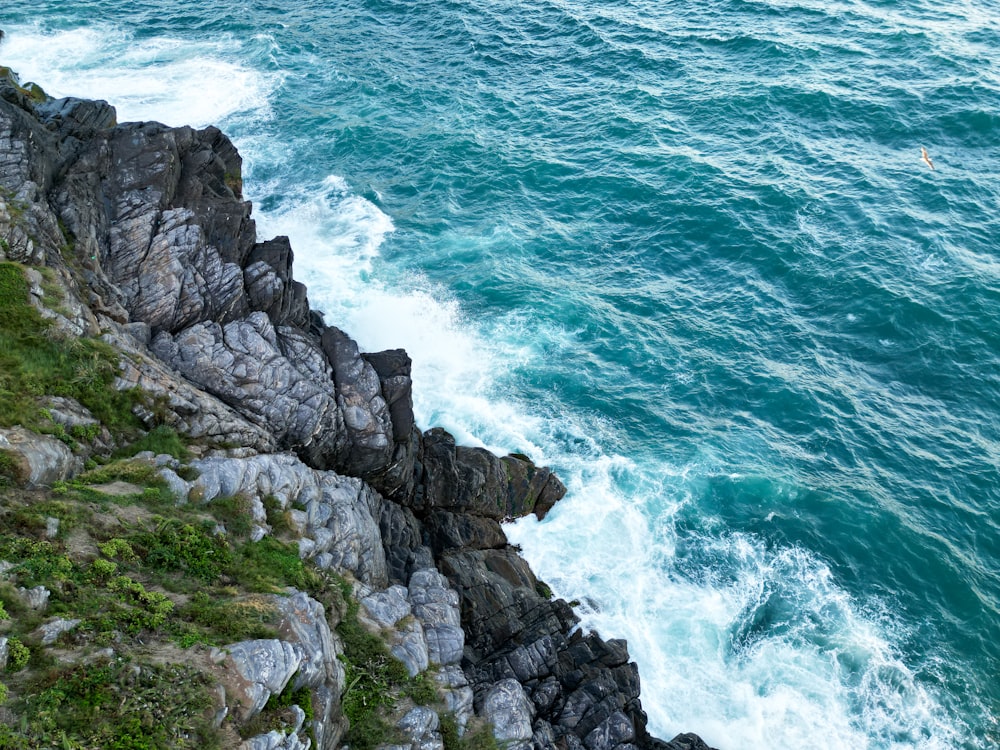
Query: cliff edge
131,244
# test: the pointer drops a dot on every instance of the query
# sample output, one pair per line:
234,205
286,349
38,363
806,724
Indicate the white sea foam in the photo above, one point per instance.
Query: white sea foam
760,650
819,673
336,236
174,81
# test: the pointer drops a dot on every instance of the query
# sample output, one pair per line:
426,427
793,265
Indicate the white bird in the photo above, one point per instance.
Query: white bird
927,158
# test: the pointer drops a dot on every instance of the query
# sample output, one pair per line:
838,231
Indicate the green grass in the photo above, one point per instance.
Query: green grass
218,621
36,360
270,565
12,470
478,738
375,680
178,547
119,705
159,440
235,513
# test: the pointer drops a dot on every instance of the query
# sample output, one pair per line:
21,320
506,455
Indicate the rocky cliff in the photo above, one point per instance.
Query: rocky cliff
137,235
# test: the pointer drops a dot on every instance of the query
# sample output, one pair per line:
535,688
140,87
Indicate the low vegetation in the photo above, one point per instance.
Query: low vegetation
36,361
139,579
138,573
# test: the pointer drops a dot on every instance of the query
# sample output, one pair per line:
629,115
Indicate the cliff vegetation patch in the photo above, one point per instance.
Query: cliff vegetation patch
36,361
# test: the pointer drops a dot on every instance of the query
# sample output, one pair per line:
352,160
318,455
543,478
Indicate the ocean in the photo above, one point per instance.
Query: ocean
689,255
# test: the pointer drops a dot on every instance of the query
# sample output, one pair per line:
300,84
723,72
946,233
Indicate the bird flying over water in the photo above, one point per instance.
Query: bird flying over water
927,158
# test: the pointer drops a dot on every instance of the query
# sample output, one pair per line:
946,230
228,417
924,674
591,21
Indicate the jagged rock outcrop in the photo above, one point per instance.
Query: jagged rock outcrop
146,227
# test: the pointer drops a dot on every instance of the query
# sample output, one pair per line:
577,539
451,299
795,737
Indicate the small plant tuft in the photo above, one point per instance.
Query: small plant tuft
17,655
160,440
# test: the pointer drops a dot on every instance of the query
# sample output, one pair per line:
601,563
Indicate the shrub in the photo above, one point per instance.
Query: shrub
118,548
144,610
176,546
119,705
102,570
17,655
40,562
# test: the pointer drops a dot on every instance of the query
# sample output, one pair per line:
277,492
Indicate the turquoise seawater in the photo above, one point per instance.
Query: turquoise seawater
690,255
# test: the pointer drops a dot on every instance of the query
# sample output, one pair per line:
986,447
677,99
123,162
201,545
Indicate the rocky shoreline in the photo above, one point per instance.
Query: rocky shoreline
144,229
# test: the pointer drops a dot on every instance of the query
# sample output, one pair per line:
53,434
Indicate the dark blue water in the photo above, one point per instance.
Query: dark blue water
689,254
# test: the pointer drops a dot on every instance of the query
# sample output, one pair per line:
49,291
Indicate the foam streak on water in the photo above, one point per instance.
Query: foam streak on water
687,254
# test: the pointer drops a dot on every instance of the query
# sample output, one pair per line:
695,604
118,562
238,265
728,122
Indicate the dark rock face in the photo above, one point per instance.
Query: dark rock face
149,224
156,218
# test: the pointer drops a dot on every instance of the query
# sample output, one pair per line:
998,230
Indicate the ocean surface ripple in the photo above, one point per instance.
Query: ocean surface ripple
687,253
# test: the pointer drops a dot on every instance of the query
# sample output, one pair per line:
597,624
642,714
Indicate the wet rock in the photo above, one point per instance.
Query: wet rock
686,741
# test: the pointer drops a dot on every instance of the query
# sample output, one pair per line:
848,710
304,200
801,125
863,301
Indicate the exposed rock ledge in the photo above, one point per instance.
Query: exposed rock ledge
146,227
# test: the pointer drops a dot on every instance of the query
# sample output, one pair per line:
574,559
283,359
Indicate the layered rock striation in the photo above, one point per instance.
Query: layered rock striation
146,228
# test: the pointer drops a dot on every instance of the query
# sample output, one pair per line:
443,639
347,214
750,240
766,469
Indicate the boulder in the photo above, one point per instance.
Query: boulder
507,707
37,460
263,667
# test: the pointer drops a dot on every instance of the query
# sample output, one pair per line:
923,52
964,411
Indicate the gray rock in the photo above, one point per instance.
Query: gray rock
289,738
69,412
188,409
436,606
276,740
242,364
264,668
420,727
386,608
178,487
417,722
49,632
340,511
409,645
510,711
43,460
3,652
359,396
36,598
303,623
390,611
458,695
